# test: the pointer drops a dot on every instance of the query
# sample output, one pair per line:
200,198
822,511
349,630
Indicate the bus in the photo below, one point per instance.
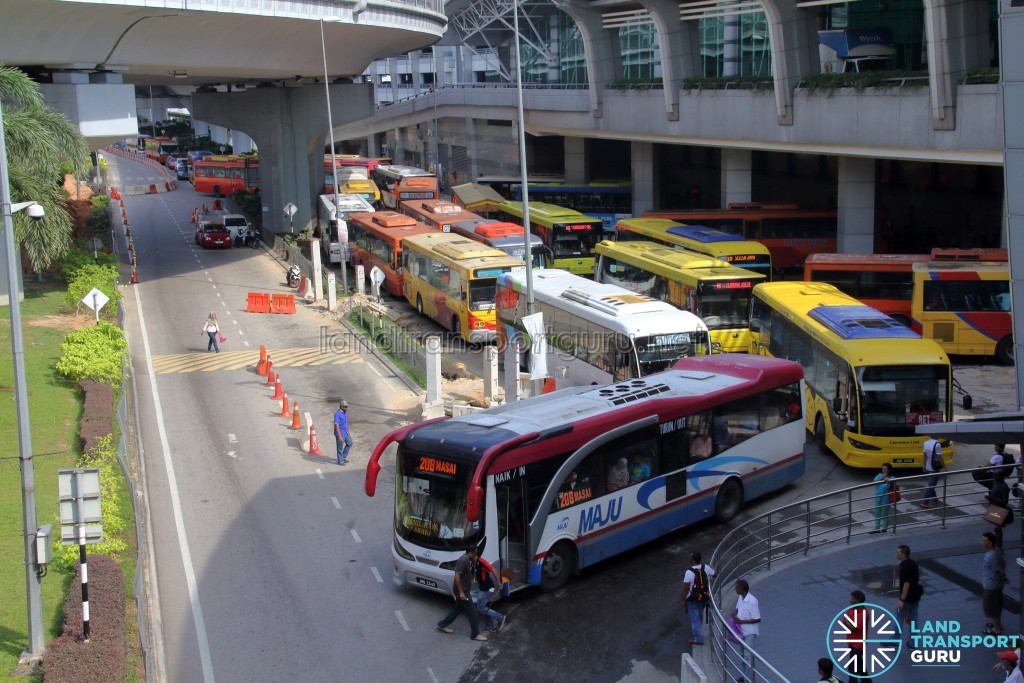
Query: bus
226,174
399,184
451,279
351,161
700,239
553,484
508,237
352,180
965,307
375,239
329,210
190,159
789,232
885,281
159,147
480,199
569,234
597,333
716,292
870,380
610,201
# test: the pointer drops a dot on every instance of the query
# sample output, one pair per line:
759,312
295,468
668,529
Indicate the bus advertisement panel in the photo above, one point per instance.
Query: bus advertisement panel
870,380
399,184
965,307
597,333
159,147
508,237
332,223
556,483
790,233
452,279
226,174
375,239
569,234
709,288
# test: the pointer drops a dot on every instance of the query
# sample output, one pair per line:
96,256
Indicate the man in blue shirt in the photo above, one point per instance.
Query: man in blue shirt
341,432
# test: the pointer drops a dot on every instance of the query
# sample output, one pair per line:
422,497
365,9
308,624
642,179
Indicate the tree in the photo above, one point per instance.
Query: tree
38,139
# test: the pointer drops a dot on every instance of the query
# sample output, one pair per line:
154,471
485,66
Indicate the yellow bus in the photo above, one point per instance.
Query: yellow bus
709,288
700,239
870,381
353,180
569,234
965,307
452,279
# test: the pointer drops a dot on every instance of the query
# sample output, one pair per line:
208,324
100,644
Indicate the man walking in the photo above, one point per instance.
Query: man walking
747,614
910,590
696,595
341,433
932,464
993,578
461,592
854,619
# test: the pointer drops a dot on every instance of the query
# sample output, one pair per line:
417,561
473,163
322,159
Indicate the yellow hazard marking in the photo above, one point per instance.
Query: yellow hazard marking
239,360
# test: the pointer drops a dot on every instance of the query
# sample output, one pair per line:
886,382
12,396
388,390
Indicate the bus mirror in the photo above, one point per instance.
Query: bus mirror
473,502
372,469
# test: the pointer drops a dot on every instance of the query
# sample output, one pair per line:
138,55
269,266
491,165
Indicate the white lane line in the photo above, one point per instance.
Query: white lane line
232,438
232,454
376,370
376,574
219,296
337,505
234,322
432,676
245,342
402,621
223,303
320,473
210,279
179,521
215,286
356,536
240,333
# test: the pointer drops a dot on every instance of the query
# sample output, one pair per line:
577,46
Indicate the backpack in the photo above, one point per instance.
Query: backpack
937,463
699,592
1009,463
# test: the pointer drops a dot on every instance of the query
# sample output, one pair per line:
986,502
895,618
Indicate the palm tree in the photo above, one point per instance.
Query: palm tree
38,139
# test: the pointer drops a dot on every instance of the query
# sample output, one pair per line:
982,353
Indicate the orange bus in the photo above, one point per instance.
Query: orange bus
159,147
226,174
375,239
789,232
437,213
342,160
399,184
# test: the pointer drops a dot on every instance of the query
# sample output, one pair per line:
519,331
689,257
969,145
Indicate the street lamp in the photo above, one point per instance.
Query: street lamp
343,239
28,488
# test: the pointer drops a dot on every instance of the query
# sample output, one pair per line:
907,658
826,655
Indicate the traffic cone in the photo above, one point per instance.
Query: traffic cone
135,277
277,390
261,367
127,230
314,447
296,422
271,377
284,406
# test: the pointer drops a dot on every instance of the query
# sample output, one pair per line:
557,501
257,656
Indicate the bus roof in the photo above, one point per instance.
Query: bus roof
550,212
347,203
698,238
459,248
403,171
962,267
497,233
702,233
674,263
992,254
901,260
391,219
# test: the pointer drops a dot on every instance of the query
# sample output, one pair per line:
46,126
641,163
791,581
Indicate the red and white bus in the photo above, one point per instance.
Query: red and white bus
539,483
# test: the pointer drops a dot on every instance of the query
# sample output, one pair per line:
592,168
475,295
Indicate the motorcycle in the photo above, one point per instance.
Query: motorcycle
252,238
294,275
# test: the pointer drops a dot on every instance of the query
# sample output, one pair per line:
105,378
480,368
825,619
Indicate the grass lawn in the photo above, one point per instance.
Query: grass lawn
54,410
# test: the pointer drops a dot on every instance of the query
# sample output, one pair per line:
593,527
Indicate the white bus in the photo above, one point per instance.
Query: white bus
597,333
327,223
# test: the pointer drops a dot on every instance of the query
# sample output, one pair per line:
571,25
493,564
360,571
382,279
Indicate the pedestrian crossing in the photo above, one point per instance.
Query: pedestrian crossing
239,360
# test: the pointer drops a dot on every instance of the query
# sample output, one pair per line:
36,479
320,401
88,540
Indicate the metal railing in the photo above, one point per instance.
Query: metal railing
755,547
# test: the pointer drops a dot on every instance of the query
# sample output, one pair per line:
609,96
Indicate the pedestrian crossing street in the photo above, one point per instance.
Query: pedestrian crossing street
239,360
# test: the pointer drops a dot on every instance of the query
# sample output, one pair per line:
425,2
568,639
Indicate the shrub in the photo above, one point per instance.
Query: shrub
93,353
97,413
79,256
102,277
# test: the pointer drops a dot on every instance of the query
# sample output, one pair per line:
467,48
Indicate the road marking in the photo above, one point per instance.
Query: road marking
179,520
218,295
376,574
246,343
432,676
377,371
356,536
239,360
223,303
232,454
337,505
232,438
402,621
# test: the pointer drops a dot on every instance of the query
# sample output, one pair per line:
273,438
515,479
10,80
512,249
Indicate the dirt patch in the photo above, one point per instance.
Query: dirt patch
469,389
68,323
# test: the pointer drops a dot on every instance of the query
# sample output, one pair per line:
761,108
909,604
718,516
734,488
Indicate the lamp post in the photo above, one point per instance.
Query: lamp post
343,239
28,487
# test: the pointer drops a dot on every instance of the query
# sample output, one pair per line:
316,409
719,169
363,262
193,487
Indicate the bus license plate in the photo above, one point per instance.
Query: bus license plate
904,461
426,582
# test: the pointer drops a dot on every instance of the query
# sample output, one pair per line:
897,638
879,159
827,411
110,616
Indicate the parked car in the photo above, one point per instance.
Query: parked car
171,161
213,236
181,168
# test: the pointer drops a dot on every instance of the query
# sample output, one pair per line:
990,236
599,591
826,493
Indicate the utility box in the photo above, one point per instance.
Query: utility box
856,50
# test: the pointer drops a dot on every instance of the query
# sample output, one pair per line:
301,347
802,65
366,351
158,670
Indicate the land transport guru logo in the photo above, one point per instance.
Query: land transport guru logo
866,640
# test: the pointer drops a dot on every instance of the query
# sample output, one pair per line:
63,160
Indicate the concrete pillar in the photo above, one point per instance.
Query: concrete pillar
575,161
946,43
318,280
793,34
512,351
642,162
679,49
737,169
433,405
731,46
856,205
472,151
332,292
490,375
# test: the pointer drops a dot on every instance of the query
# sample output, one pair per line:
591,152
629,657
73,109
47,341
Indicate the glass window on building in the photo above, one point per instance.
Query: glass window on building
754,57
637,44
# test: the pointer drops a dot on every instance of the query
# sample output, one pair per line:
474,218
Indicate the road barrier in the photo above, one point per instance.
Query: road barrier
258,302
282,303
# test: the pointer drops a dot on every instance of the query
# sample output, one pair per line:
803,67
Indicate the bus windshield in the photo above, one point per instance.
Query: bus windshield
481,294
430,505
725,304
572,243
660,351
895,399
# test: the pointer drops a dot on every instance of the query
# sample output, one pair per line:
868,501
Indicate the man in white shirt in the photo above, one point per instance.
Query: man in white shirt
932,452
696,591
747,614
1009,662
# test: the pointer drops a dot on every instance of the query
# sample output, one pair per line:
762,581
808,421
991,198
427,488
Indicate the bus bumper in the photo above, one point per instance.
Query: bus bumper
482,336
420,575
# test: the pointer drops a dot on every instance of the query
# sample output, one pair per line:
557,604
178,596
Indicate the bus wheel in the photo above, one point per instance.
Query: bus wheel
901,319
1004,350
216,191
419,304
730,497
819,434
556,568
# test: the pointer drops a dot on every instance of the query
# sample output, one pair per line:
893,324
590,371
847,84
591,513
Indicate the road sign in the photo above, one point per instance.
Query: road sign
95,243
377,277
95,299
290,209
80,505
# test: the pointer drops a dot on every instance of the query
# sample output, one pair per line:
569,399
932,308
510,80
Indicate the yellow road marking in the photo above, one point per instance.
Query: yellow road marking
239,360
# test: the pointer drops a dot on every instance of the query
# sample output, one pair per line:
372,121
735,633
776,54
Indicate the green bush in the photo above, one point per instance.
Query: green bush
988,74
249,205
87,276
93,353
80,256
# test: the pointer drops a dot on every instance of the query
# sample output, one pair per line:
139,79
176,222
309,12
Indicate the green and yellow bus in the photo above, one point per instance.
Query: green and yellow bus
452,279
870,380
714,291
570,235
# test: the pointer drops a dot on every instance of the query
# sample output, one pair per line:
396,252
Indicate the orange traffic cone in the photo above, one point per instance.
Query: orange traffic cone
271,377
277,390
261,367
135,277
296,422
314,447
284,406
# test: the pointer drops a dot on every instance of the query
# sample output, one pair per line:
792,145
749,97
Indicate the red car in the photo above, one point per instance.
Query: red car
213,235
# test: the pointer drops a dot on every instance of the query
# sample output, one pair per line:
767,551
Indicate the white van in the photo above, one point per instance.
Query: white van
235,223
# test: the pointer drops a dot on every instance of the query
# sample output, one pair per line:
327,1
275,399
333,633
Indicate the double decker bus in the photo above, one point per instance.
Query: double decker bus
699,239
159,147
870,380
716,292
353,181
332,223
375,239
226,174
597,333
399,184
508,237
789,232
965,307
540,484
451,279
569,234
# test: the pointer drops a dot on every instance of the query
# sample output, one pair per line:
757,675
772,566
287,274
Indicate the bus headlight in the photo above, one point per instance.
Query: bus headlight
402,552
864,446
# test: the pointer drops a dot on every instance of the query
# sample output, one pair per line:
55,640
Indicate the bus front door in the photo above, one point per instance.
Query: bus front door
513,528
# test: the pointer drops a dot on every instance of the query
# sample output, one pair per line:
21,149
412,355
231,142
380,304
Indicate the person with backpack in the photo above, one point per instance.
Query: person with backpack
697,595
1001,461
933,464
488,583
825,669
